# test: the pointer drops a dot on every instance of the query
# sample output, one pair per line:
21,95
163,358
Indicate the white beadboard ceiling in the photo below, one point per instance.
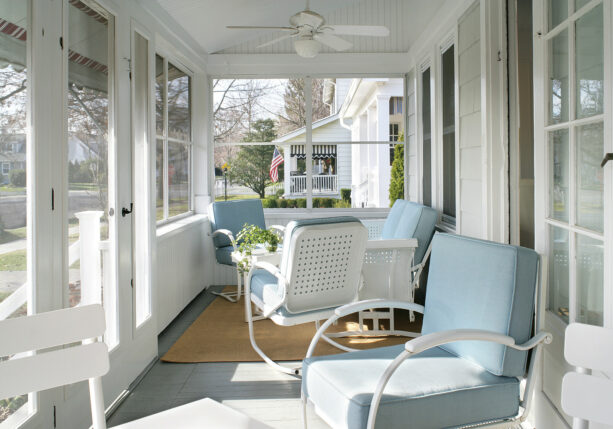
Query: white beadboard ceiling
206,20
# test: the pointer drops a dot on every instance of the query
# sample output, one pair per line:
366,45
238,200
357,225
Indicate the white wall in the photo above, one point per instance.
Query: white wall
410,145
470,178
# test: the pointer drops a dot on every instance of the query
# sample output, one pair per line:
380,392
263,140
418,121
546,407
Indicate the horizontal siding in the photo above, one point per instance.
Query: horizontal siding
470,145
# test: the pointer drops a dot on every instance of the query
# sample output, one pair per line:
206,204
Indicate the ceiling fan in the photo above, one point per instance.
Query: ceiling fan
310,31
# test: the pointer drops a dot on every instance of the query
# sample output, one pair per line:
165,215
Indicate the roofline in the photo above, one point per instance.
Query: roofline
299,131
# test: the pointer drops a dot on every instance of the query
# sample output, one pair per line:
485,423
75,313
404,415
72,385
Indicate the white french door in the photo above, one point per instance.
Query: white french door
574,194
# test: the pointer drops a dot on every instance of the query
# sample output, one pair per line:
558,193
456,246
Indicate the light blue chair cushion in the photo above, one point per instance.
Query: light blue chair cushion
233,215
224,255
434,389
266,288
411,220
476,284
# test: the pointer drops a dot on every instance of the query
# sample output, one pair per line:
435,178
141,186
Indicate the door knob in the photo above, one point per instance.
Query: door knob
125,211
608,157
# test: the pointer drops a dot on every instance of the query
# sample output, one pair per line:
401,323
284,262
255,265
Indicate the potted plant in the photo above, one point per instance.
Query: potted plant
249,237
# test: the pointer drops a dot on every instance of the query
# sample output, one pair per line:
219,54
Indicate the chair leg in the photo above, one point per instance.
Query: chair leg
233,296
303,401
269,361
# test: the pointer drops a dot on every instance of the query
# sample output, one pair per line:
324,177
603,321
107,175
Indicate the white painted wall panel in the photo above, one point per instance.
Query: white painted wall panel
470,144
410,149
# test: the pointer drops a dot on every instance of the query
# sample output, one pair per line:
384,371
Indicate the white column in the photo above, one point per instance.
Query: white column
91,272
383,152
287,168
371,158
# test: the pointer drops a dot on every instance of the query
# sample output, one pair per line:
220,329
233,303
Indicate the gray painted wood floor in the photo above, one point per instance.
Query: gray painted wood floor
251,387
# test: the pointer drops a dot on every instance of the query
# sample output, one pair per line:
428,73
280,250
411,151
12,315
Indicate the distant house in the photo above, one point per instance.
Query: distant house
12,155
364,110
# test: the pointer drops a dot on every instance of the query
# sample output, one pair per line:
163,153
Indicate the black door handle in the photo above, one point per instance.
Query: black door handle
608,157
125,211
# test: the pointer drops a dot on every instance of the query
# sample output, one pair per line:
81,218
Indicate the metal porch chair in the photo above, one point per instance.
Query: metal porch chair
320,271
466,368
84,357
227,218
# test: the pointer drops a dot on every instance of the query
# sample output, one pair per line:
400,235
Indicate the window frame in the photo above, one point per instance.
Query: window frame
177,63
308,133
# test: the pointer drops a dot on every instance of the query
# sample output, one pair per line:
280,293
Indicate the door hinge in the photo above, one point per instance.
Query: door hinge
62,43
54,417
52,199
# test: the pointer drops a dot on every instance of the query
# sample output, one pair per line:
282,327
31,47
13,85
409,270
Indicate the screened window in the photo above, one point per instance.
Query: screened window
173,92
426,138
448,104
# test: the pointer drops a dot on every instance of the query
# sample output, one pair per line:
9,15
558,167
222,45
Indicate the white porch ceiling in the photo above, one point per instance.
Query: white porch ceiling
206,20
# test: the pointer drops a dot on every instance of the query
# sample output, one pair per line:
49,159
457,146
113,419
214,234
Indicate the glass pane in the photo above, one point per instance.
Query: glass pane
448,101
558,272
159,95
159,179
427,139
13,190
590,277
179,104
590,179
580,3
88,149
178,178
558,78
558,12
589,52
560,175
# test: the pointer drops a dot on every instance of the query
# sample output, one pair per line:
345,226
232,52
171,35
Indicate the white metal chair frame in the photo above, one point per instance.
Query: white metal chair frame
309,315
235,296
28,371
426,342
585,396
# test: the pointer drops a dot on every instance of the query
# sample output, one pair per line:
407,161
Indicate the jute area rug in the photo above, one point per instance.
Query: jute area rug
220,334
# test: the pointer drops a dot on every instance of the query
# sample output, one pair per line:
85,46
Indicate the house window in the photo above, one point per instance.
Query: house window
6,168
341,161
395,105
448,134
426,138
173,89
394,136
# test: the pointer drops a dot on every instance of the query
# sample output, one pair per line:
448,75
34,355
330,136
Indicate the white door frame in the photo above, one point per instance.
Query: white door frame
548,413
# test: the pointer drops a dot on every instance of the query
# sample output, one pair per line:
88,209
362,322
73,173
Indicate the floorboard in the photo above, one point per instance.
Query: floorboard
253,388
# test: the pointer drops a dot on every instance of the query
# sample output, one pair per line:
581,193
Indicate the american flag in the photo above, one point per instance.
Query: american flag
277,160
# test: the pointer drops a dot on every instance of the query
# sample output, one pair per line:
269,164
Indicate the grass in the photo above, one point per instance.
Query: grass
4,295
83,187
13,261
237,197
13,189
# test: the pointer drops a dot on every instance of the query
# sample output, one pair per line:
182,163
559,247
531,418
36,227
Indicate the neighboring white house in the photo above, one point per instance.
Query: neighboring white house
365,110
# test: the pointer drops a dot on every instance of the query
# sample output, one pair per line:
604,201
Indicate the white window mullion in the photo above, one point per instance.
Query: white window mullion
308,86
165,140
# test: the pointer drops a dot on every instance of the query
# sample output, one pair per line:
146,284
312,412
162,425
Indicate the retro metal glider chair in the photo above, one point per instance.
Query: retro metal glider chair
585,396
396,253
465,368
320,271
227,218
78,355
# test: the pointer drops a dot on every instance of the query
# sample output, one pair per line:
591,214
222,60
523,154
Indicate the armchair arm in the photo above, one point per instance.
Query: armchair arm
279,228
228,234
436,339
355,307
272,269
402,243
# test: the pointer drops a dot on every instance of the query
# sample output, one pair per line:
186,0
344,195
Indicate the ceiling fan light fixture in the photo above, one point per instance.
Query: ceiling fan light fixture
307,47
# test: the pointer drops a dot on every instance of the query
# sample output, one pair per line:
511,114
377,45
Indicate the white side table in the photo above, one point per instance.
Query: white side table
257,255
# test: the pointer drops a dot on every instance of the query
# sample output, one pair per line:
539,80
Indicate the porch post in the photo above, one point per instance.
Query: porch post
383,152
288,167
91,272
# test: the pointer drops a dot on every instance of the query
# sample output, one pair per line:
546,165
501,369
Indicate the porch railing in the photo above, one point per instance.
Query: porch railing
322,184
95,269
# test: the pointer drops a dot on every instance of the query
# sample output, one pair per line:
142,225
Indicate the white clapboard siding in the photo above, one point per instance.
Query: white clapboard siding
410,149
469,127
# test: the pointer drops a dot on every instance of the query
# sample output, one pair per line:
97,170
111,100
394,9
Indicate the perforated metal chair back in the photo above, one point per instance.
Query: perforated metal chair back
322,261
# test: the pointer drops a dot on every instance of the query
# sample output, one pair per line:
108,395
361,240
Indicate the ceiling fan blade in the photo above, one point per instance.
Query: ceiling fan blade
332,41
255,27
357,30
278,39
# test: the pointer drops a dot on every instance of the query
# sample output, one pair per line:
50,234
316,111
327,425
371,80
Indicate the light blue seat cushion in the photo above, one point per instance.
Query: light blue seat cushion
476,284
341,387
233,215
411,220
224,255
266,288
